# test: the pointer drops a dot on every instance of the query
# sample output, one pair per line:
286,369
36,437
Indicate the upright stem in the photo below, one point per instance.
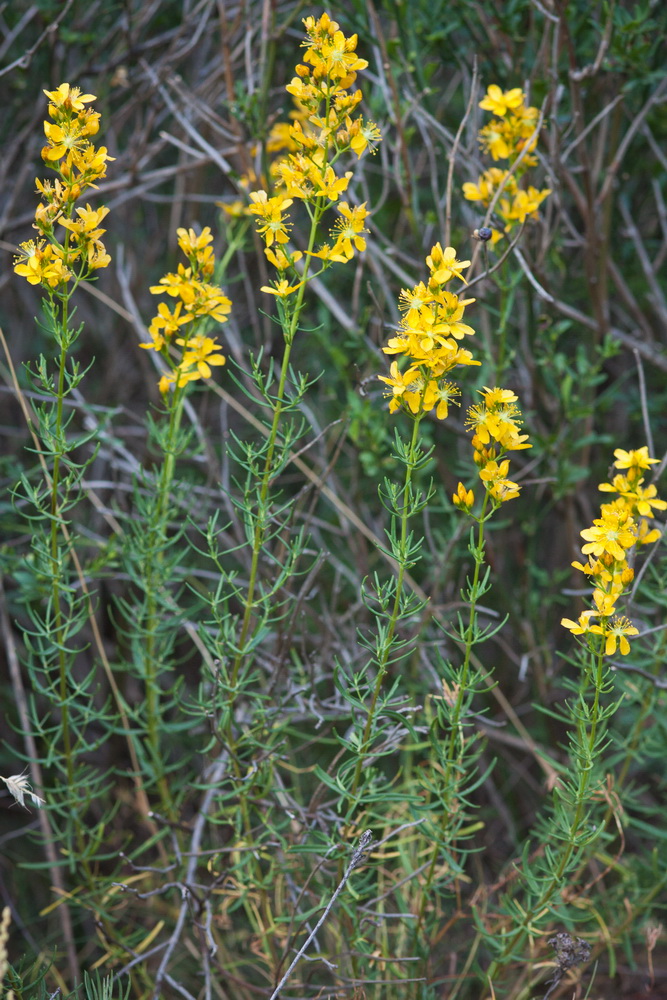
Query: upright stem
268,472
259,535
469,637
56,570
453,755
155,555
383,658
582,799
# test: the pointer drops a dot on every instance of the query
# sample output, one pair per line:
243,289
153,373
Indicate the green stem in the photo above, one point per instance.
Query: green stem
469,636
290,326
58,554
383,659
155,555
450,781
580,809
289,333
229,738
57,570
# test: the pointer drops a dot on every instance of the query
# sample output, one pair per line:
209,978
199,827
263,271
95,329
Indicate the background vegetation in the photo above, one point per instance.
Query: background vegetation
192,856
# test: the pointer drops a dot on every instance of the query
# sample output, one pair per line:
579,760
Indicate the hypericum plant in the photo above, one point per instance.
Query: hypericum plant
58,262
180,335
198,303
325,131
428,338
509,202
307,177
254,557
69,250
437,801
622,524
583,818
308,784
67,723
512,135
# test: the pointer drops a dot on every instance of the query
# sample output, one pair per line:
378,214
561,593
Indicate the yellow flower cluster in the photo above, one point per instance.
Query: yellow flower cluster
429,336
504,138
622,524
323,129
495,423
52,261
198,302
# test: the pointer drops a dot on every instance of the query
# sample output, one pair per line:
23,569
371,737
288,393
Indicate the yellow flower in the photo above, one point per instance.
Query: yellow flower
499,102
616,631
178,378
397,345
81,164
360,135
331,253
282,289
63,139
402,386
451,313
89,220
330,185
280,138
463,499
179,284
498,397
523,205
198,249
497,418
504,489
487,185
350,229
438,396
505,138
199,352
66,98
280,259
608,540
341,61
303,92
443,264
428,335
638,459
198,297
330,52
609,577
97,256
319,134
164,325
270,210
640,499
646,536
605,603
610,533
234,209
91,162
444,360
412,300
582,625
494,476
493,140
40,264
190,243
198,300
